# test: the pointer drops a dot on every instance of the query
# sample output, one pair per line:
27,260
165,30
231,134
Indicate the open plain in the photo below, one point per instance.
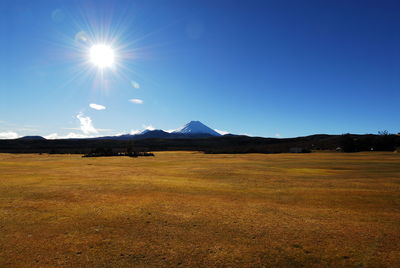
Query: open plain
190,209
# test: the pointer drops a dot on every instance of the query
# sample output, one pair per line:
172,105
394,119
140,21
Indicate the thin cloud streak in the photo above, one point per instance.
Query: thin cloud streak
136,101
97,106
27,129
55,136
98,129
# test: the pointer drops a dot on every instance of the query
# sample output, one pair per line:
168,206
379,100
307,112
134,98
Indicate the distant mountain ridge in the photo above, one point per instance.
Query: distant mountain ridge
211,144
195,136
31,138
193,129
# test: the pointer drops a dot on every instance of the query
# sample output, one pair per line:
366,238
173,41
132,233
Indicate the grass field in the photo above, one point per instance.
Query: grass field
189,209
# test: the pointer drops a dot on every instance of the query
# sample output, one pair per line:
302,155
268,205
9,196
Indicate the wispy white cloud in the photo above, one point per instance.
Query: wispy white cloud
8,135
278,135
71,135
145,127
136,101
97,106
17,127
86,124
5,133
98,129
148,127
222,132
27,129
135,131
51,136
71,128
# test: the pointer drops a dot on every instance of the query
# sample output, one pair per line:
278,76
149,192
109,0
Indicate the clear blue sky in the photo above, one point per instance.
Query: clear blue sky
265,68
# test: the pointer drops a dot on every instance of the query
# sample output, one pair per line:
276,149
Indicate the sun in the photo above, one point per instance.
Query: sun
102,56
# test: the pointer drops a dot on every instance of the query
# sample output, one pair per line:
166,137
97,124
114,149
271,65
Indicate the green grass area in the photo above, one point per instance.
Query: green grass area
189,209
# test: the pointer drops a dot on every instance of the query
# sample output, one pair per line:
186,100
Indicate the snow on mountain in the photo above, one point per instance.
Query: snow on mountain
196,127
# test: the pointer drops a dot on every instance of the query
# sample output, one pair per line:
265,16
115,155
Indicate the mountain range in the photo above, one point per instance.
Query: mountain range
193,129
195,136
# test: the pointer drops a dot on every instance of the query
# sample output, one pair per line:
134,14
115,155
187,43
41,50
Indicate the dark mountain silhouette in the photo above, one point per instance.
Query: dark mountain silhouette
195,136
158,134
192,130
210,144
32,138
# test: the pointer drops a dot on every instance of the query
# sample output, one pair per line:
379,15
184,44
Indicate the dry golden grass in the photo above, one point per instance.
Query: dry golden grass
193,210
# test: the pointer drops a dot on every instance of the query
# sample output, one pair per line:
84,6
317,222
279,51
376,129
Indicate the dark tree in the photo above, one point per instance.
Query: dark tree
348,143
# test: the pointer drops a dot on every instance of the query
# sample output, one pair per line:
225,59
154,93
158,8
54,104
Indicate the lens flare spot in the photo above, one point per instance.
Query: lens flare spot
135,84
81,37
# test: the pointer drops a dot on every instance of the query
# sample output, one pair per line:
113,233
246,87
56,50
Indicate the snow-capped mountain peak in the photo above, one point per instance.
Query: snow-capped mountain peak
196,127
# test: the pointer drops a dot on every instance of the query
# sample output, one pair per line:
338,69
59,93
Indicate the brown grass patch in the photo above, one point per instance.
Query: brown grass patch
194,210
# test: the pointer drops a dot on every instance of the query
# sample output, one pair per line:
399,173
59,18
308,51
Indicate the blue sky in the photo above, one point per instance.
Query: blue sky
264,68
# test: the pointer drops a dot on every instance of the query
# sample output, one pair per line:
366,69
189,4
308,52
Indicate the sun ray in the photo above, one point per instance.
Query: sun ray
102,49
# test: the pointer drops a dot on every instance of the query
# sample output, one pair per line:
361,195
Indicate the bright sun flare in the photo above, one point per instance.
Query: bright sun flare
102,56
